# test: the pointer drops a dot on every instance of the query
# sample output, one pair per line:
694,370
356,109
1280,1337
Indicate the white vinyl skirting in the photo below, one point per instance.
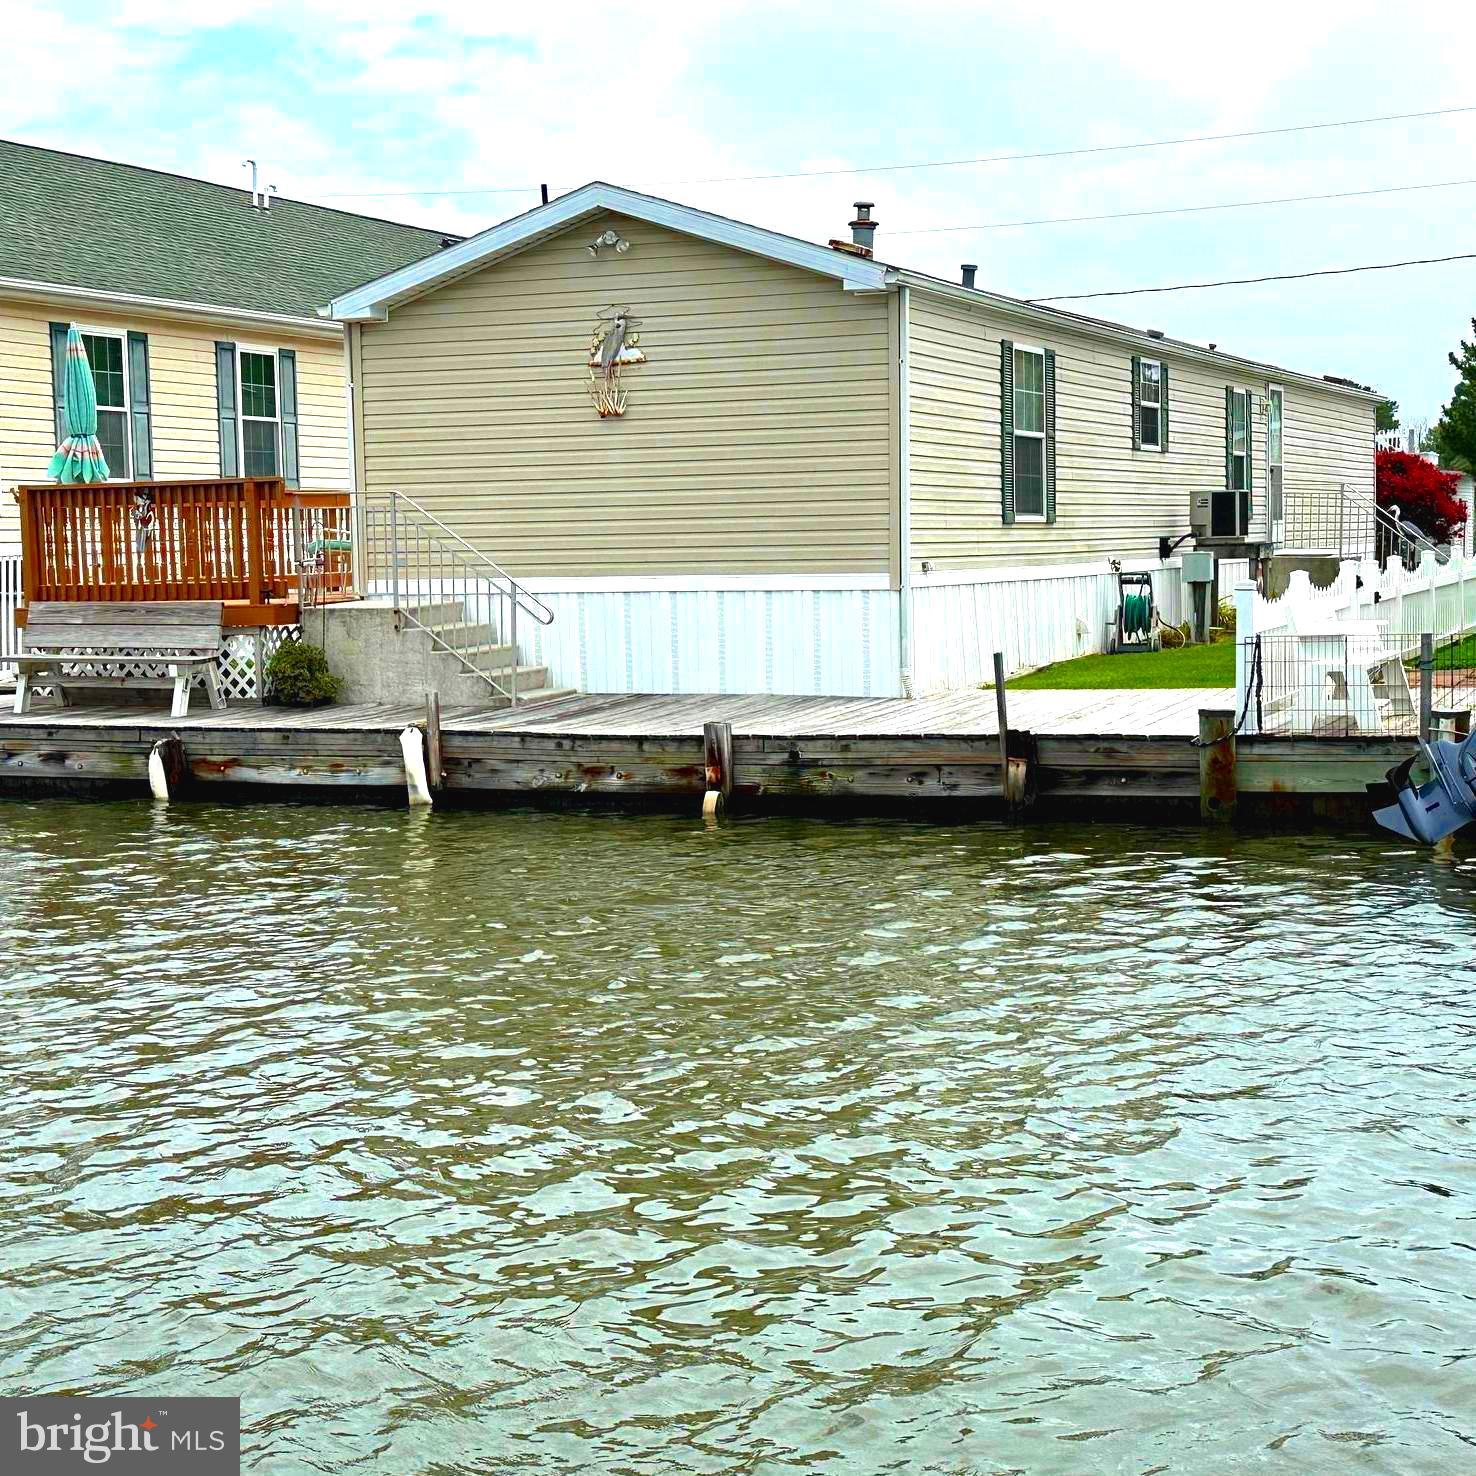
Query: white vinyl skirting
835,642
827,641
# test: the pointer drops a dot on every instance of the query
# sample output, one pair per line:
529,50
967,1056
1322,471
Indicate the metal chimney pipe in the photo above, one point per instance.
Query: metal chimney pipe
968,269
863,228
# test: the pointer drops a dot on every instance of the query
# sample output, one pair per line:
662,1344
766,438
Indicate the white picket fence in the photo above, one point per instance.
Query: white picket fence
1282,645
10,598
1434,598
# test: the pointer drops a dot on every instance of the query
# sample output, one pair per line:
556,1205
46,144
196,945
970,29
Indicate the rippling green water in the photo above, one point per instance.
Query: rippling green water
557,1143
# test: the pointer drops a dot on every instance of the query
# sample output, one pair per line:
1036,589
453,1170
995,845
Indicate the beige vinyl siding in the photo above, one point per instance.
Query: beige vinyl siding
1111,501
186,433
758,435
27,420
1327,441
322,414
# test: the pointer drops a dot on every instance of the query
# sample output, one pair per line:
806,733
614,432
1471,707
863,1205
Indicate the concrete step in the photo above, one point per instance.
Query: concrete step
546,694
459,635
436,612
483,657
530,678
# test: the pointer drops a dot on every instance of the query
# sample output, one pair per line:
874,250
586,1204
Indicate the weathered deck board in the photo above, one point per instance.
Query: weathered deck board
1174,711
1107,713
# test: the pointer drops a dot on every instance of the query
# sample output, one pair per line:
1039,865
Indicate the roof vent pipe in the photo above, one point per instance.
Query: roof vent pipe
261,196
968,269
863,228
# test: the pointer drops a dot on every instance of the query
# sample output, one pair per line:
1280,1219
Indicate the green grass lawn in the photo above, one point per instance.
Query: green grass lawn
1188,666
1460,657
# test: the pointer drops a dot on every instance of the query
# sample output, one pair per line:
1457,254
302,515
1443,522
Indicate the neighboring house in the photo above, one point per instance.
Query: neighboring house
1466,491
198,307
829,474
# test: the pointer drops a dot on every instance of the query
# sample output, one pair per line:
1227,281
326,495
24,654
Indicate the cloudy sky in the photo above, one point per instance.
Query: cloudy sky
451,114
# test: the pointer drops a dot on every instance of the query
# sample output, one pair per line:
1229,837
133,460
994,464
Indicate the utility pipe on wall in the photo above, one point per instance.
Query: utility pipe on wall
357,520
904,497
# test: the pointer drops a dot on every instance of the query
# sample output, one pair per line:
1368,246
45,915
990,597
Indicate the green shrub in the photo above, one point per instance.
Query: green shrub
298,676
1225,617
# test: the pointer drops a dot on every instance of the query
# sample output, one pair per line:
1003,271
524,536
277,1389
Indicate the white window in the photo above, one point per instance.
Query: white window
1150,404
261,412
1029,432
1237,440
107,353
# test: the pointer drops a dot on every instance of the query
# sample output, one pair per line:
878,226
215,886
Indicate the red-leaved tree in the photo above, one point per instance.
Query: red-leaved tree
1424,495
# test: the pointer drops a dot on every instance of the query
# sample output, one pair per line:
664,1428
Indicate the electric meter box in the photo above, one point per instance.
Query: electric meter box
1197,568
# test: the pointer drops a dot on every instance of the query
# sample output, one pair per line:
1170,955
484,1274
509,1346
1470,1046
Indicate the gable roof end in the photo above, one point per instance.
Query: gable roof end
374,300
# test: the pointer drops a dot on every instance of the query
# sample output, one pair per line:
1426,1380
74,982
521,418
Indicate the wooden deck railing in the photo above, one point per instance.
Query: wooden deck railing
243,540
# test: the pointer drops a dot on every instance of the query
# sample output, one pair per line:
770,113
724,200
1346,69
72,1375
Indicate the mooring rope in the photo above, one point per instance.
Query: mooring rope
1252,689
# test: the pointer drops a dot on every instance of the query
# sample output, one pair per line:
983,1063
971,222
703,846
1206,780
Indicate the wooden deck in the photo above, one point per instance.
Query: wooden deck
1103,713
1081,747
249,542
971,713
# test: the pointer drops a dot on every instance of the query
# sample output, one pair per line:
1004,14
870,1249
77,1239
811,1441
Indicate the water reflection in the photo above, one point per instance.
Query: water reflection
544,1142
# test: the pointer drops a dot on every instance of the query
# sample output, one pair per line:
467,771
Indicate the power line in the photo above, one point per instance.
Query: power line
1161,143
1382,266
1005,225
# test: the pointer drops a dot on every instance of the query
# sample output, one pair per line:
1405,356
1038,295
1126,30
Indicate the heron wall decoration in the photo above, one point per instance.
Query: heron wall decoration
613,346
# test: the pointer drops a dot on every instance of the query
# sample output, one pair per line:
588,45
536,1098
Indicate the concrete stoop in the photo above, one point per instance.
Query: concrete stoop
382,658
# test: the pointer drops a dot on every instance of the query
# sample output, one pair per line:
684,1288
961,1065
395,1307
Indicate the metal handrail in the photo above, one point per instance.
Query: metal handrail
1348,521
422,562
1412,535
529,601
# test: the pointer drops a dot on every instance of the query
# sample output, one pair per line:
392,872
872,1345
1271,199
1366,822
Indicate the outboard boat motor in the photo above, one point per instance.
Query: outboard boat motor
1443,803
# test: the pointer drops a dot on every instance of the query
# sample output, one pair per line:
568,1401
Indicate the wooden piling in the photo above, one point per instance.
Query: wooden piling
1427,684
166,779
1001,709
717,758
1217,776
435,773
1450,722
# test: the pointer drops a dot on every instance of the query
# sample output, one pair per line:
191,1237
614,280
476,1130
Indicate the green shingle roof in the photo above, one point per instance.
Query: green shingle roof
81,222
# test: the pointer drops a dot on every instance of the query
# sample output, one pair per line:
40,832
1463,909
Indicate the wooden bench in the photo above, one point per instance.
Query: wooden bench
184,637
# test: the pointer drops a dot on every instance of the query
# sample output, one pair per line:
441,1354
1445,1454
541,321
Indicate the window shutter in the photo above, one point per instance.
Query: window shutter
225,401
1163,407
287,404
1050,435
1007,430
1133,403
140,414
59,377
1229,437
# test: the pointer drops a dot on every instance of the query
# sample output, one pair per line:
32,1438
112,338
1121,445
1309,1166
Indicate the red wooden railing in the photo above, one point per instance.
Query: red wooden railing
237,539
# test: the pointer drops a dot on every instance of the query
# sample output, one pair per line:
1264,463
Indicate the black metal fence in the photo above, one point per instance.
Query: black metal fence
1363,683
1453,684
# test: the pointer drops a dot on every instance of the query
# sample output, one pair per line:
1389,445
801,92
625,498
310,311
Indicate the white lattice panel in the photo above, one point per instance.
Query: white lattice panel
236,668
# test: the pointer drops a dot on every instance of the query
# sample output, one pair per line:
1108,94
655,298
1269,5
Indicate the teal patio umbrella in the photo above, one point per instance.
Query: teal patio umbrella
79,458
